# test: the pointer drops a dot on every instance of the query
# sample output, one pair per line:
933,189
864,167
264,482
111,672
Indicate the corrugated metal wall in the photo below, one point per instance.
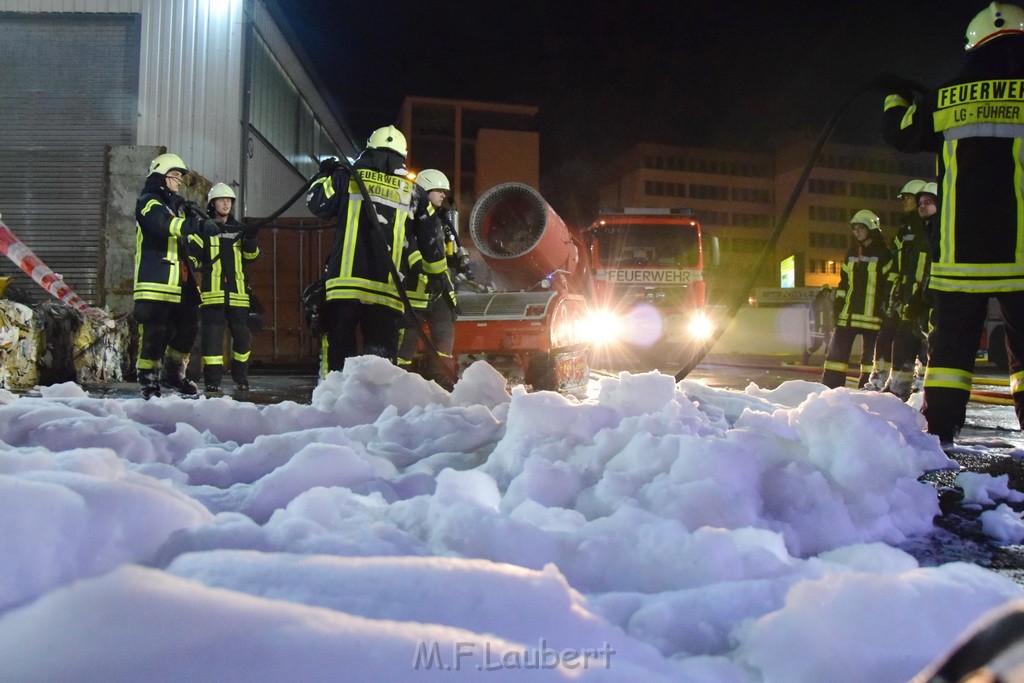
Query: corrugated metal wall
284,54
72,5
68,90
189,76
190,83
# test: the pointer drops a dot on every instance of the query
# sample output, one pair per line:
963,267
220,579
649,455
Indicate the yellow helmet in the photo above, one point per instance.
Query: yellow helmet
928,188
432,179
996,20
165,163
912,188
388,137
868,218
220,191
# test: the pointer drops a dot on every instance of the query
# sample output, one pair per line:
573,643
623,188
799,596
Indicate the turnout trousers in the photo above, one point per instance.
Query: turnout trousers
837,360
345,320
958,319
214,319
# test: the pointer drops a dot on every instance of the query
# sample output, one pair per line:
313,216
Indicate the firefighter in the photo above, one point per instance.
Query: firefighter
890,319
224,295
909,298
432,297
863,288
165,293
360,290
821,320
974,123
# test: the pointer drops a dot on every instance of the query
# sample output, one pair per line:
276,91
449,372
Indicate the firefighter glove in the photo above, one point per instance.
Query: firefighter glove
915,308
415,270
437,285
193,210
209,227
891,84
328,166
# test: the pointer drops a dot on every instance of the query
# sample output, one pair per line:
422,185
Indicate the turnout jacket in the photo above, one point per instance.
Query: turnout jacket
358,266
912,258
161,252
975,122
864,284
222,261
433,243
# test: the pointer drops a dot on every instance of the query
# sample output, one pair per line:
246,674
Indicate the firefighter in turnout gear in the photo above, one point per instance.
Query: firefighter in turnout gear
361,292
166,296
432,295
863,290
974,122
224,294
909,298
890,319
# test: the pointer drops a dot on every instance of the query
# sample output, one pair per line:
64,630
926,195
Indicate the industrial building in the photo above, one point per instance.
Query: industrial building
92,90
739,196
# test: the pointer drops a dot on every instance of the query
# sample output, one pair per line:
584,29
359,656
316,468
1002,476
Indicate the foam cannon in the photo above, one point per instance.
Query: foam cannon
522,239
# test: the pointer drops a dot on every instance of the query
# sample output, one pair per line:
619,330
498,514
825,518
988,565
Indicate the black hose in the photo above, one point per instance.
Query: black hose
769,247
250,230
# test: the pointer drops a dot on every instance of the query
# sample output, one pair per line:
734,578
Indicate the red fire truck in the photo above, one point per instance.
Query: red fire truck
633,278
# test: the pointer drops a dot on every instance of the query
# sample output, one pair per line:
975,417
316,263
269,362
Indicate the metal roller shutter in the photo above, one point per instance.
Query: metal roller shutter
69,88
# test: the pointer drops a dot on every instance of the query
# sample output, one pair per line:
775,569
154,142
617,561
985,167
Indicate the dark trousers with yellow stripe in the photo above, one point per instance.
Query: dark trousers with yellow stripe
215,318
346,320
837,360
958,319
439,318
166,328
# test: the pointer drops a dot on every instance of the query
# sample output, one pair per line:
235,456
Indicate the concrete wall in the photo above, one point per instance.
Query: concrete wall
126,173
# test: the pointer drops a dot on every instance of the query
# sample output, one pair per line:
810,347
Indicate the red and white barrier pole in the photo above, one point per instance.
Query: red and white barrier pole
32,265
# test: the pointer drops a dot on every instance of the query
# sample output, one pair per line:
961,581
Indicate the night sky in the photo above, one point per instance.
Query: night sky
607,74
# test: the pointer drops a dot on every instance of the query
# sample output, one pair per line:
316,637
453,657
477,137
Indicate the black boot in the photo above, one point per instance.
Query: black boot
441,370
149,382
212,375
240,373
173,377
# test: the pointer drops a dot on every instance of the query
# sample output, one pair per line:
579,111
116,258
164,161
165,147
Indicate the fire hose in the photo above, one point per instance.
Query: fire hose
767,252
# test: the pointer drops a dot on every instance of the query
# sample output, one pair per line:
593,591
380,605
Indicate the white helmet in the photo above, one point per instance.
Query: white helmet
912,188
868,218
220,191
994,21
165,163
388,137
432,179
928,188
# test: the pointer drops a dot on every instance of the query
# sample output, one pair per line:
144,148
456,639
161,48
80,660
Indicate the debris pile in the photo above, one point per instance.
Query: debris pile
52,343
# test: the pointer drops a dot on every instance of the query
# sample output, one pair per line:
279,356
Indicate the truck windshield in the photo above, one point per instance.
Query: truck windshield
646,244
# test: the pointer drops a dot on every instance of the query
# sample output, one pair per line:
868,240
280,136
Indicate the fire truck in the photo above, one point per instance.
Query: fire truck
633,278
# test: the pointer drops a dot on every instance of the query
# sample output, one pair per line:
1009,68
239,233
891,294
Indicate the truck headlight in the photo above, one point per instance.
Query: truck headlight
602,327
700,326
